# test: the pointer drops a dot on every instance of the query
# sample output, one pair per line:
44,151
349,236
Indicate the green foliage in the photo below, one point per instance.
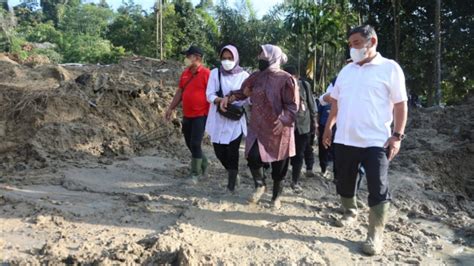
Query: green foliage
86,19
417,44
312,33
133,31
51,54
87,49
43,32
17,43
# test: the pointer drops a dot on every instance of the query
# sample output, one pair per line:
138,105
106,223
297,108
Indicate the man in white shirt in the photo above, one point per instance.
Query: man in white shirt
368,96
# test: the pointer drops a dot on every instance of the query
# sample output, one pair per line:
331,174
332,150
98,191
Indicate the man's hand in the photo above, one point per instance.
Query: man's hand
168,114
327,138
223,104
393,145
278,128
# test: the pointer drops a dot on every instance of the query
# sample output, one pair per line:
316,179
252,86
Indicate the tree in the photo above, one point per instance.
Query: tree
54,9
86,19
133,29
437,59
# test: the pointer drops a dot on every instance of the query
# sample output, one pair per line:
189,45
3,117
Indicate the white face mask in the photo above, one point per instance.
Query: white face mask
228,65
358,55
187,62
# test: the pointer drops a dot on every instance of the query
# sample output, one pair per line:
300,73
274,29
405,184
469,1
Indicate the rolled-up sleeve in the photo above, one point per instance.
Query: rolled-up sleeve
335,91
290,98
398,91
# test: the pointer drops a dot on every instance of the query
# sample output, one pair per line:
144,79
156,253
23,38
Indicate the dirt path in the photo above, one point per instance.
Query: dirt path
142,210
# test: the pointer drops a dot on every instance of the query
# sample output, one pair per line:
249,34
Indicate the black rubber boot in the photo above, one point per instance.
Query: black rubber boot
259,180
296,173
277,191
232,178
258,177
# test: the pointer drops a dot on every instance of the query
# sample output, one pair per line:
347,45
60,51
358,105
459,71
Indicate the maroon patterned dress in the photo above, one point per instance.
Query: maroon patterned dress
273,96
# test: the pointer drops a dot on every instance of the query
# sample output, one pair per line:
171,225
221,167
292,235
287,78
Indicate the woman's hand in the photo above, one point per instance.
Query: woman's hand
278,128
223,104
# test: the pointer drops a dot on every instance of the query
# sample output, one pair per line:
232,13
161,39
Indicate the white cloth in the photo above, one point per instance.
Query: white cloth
328,92
365,97
220,129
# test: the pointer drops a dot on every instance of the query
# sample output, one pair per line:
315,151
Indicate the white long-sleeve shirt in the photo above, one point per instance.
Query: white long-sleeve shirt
223,130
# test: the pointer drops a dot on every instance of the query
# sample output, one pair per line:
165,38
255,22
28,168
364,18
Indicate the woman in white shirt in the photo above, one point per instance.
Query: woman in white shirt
226,134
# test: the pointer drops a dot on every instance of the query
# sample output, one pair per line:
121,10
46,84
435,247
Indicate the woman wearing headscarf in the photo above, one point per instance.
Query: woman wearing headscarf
226,133
270,138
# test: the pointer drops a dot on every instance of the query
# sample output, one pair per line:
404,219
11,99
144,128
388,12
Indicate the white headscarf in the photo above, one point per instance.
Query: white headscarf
274,55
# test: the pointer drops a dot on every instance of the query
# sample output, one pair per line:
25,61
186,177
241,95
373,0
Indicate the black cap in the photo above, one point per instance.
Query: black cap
193,50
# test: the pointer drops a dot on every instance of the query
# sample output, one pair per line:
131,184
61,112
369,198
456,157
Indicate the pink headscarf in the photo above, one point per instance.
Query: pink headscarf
237,69
274,55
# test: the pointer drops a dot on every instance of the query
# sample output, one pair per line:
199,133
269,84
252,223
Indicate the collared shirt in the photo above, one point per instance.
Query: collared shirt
223,130
194,95
274,96
365,98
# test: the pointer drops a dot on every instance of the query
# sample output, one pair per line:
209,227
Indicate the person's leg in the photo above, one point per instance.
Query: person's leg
233,162
297,161
198,126
254,161
193,129
309,155
323,152
376,166
186,129
347,166
233,153
221,151
197,135
279,170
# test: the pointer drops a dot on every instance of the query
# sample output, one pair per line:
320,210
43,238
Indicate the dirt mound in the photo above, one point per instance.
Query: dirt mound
440,142
74,112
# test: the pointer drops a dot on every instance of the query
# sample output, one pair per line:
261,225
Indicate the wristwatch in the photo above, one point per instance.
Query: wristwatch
399,136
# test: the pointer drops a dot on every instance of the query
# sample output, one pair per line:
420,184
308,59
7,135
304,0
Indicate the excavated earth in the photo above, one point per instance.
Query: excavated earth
91,173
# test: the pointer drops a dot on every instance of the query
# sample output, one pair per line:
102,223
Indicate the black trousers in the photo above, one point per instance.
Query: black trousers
228,154
325,155
309,152
375,163
301,143
193,131
254,161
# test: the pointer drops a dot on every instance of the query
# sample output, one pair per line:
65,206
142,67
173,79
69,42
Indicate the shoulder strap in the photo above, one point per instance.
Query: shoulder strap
187,82
220,93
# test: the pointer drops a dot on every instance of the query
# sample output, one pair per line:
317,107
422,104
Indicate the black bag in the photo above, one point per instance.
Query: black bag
233,112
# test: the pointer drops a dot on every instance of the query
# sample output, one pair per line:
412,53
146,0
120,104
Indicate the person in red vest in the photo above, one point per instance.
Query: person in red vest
192,93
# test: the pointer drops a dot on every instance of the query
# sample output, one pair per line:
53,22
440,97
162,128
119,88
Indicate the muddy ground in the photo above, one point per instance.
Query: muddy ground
90,173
